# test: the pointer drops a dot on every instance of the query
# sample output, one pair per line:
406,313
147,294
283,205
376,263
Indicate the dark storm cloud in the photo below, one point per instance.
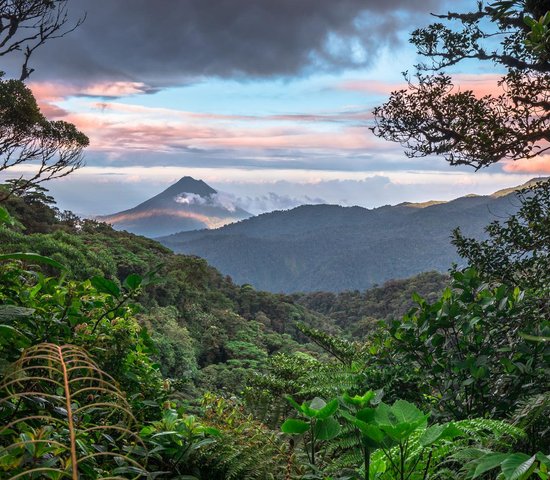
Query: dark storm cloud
168,41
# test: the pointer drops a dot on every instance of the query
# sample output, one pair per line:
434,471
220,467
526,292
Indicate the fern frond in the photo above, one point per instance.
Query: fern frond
64,417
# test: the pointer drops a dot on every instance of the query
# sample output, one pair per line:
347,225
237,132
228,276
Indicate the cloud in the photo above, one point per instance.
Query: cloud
272,201
124,128
164,42
480,84
266,202
49,94
536,166
219,200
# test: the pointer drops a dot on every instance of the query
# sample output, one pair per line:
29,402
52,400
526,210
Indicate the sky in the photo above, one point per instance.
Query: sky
268,101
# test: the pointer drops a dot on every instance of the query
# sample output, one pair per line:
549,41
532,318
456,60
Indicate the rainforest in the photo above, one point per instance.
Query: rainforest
124,357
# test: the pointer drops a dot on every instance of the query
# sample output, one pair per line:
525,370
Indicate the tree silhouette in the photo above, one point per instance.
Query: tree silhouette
434,117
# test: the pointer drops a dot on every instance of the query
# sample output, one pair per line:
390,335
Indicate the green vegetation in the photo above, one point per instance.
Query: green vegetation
120,359
201,367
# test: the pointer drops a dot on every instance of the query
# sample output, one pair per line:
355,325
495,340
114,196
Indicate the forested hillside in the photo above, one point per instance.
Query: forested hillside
357,312
120,359
333,248
205,323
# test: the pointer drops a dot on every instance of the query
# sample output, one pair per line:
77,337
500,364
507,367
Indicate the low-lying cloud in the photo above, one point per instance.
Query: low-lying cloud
271,201
219,200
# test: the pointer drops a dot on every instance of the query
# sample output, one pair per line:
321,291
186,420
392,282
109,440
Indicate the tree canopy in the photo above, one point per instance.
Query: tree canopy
435,117
53,148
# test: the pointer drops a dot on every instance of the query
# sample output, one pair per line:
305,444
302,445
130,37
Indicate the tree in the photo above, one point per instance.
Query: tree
517,251
25,25
34,208
433,117
54,148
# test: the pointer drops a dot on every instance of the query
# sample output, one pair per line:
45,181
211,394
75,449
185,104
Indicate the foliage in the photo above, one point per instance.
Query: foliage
55,147
381,441
173,440
64,417
321,425
468,350
517,251
512,466
94,314
33,207
359,312
246,449
432,117
175,348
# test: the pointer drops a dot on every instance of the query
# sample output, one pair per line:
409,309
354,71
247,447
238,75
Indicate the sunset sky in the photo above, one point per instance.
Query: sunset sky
267,100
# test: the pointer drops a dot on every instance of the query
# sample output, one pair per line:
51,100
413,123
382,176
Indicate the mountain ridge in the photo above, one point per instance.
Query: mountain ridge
335,248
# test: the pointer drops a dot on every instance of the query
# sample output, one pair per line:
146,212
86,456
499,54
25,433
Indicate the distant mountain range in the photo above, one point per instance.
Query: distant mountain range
333,248
188,204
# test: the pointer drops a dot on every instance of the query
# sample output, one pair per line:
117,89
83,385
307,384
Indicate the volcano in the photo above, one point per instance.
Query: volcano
186,205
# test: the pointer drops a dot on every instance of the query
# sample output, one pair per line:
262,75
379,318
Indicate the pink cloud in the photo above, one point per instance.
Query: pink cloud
111,133
48,94
538,165
480,84
115,126
115,89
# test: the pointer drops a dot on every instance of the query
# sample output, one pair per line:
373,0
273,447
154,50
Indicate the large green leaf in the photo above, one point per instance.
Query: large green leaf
534,338
326,429
294,426
518,466
359,400
32,258
104,285
543,459
488,462
295,404
328,410
5,217
405,411
371,433
313,408
11,336
132,281
437,433
431,435
8,313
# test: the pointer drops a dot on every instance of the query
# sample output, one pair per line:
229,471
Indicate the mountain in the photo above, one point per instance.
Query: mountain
188,204
334,248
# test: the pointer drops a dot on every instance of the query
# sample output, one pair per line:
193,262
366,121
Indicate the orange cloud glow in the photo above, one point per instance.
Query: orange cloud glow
538,165
480,84
49,93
